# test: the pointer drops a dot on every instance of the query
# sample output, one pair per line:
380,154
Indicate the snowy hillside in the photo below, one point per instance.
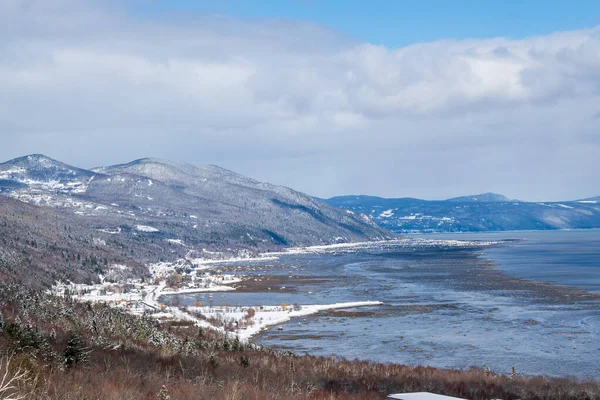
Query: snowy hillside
196,206
37,171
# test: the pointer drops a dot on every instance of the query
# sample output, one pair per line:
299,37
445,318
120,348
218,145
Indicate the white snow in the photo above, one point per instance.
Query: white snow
268,316
212,288
9,173
421,396
146,228
366,218
99,242
208,261
564,206
409,217
402,243
112,232
387,213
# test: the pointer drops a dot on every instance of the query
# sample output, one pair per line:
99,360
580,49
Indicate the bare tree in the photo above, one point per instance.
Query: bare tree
11,378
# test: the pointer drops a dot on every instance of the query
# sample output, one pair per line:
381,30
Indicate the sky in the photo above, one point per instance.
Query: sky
431,99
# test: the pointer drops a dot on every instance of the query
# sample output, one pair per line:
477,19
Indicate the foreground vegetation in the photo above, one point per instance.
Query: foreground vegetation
55,348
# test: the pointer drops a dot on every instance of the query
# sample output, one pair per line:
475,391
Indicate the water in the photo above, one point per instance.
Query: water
533,304
565,257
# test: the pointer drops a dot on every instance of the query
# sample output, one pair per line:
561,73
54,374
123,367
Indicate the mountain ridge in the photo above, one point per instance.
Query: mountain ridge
482,198
203,203
595,198
464,214
40,171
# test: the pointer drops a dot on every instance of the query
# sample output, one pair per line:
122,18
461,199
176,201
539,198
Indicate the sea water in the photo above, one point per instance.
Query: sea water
531,302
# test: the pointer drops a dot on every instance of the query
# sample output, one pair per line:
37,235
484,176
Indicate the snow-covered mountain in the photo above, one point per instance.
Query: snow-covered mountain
486,212
37,171
196,206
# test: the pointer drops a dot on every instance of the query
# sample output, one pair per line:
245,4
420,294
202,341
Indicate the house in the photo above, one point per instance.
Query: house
421,396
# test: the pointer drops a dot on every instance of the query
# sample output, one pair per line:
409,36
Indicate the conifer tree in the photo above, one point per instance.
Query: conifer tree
163,394
74,352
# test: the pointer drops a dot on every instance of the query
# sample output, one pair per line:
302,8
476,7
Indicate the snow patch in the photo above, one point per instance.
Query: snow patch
564,206
387,213
268,316
146,228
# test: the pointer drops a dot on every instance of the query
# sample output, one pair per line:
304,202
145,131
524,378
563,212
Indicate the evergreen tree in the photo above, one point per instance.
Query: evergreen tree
226,345
244,361
74,352
163,394
237,344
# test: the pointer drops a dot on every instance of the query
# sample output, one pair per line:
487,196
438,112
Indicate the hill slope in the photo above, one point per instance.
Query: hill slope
252,211
39,246
203,206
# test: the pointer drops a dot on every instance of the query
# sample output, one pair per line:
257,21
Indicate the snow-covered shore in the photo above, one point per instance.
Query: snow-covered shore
265,317
139,297
382,244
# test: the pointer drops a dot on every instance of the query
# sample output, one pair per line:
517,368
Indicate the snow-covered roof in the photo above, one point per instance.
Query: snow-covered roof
421,396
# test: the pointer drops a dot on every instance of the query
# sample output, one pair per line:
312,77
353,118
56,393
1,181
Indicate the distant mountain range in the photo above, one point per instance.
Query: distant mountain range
475,213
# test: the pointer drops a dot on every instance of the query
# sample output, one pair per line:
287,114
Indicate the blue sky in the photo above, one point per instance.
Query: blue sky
403,22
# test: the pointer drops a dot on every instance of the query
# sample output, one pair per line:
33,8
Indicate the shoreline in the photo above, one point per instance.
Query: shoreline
407,242
270,316
247,328
264,315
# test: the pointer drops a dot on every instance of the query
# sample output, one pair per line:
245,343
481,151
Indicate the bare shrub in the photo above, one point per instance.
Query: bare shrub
13,378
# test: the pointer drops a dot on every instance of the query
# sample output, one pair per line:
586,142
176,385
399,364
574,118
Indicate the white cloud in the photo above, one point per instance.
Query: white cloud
283,101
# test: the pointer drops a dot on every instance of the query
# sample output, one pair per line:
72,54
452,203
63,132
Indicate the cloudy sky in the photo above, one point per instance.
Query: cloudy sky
392,99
